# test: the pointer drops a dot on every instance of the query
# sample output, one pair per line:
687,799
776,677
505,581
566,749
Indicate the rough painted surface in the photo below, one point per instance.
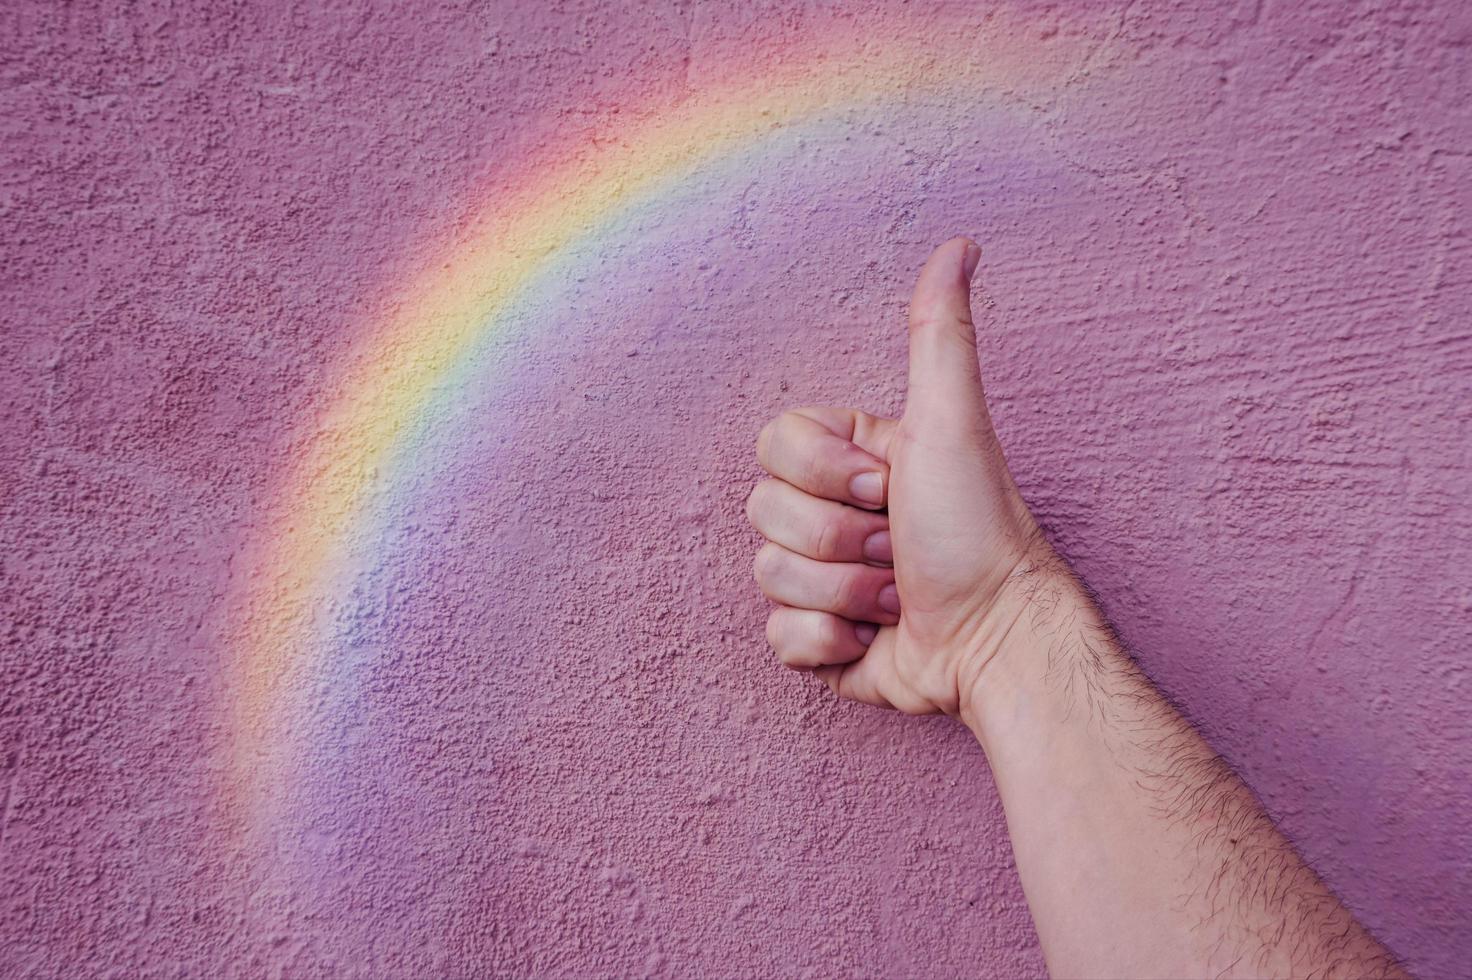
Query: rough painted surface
520,717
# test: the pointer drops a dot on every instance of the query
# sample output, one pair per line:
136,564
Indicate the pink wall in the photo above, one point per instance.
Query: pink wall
330,650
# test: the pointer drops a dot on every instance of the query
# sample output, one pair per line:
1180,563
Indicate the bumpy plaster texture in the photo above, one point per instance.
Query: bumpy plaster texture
354,629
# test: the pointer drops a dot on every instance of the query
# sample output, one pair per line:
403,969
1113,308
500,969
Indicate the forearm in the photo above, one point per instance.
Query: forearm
1141,852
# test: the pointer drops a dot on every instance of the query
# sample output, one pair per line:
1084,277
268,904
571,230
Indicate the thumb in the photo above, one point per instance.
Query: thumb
945,379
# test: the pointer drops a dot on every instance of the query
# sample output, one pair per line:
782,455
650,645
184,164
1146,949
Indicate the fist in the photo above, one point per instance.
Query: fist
896,548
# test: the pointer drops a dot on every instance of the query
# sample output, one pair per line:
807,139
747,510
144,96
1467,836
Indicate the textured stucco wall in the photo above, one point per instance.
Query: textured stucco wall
500,700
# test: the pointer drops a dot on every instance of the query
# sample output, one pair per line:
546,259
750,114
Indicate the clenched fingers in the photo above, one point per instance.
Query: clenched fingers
807,638
863,593
818,528
799,449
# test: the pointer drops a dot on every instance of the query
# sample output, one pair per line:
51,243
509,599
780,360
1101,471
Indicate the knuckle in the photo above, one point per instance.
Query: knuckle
774,631
845,592
755,503
782,424
780,638
953,337
830,633
827,540
764,439
764,566
812,470
940,318
929,320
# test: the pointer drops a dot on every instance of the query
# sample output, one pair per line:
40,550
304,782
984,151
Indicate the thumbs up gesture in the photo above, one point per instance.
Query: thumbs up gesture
898,550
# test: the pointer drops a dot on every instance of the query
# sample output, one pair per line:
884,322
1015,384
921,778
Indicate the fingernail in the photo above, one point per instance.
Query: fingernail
889,598
971,260
878,548
868,487
866,632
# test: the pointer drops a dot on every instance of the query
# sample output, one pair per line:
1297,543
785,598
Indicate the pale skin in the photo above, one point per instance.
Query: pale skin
909,573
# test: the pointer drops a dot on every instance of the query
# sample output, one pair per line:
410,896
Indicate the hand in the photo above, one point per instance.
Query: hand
895,547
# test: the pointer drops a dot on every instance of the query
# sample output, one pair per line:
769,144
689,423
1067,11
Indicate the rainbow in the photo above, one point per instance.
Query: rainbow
401,369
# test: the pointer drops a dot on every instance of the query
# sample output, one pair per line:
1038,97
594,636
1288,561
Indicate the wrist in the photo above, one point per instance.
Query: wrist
1043,618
